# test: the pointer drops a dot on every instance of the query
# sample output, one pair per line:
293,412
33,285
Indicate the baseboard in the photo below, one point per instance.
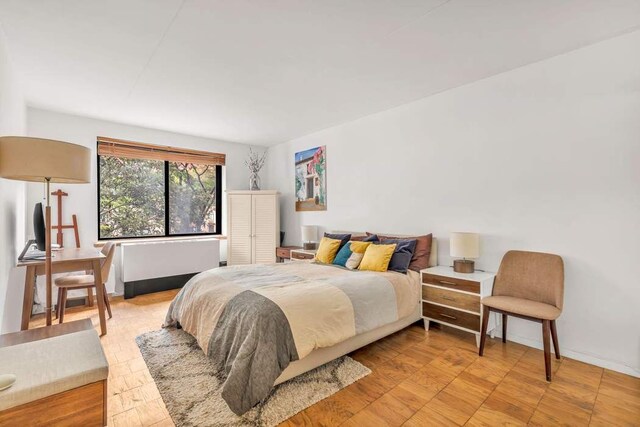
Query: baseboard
147,286
582,357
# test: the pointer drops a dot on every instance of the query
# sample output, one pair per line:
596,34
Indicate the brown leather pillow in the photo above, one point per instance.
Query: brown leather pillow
420,259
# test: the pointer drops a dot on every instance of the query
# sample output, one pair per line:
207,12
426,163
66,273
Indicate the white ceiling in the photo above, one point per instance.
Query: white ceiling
264,72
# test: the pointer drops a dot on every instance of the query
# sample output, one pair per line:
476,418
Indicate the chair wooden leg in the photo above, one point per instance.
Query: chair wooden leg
90,297
63,303
546,331
59,303
483,332
106,301
504,327
554,336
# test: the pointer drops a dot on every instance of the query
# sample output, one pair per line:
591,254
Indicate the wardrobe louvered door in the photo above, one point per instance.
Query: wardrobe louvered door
264,232
239,250
254,227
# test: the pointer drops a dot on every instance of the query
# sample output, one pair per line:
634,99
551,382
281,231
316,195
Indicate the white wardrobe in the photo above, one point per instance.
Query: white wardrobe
253,227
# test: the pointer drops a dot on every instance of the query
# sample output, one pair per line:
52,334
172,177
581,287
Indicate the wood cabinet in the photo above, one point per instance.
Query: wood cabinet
453,299
284,252
253,227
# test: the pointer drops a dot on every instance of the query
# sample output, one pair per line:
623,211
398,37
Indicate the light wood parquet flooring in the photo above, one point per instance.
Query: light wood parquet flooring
419,379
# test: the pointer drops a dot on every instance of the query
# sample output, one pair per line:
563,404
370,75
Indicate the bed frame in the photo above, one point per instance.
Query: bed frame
324,355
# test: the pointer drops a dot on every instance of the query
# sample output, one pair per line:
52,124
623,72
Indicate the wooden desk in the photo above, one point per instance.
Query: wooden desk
65,260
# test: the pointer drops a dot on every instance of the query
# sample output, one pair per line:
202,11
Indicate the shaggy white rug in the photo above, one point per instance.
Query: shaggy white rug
191,389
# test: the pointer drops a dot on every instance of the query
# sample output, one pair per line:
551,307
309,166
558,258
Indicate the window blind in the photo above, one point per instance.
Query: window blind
137,150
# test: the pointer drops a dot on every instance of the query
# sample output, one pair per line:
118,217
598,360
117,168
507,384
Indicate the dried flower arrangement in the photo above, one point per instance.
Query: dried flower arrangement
255,162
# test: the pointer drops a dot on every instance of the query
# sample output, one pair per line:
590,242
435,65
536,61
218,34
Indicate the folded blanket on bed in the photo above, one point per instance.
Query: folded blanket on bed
253,320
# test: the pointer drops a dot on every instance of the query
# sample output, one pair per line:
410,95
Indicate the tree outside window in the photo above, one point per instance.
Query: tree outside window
154,198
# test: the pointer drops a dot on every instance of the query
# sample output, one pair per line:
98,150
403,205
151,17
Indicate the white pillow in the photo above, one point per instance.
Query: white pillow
354,261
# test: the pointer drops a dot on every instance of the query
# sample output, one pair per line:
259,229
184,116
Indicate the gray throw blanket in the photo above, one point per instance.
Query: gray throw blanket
253,320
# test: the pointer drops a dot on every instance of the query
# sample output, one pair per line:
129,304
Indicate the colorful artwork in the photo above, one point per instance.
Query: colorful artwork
311,180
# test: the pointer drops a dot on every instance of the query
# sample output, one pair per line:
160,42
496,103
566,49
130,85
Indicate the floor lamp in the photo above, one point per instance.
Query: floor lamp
44,160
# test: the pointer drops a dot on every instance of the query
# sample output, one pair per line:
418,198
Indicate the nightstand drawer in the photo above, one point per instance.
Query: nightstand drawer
452,283
451,316
283,252
301,255
451,298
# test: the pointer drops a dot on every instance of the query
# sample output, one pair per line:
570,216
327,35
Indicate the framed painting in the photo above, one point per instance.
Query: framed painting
311,179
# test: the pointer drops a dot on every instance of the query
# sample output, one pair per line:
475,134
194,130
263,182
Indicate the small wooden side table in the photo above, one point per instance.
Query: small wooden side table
284,252
303,254
453,299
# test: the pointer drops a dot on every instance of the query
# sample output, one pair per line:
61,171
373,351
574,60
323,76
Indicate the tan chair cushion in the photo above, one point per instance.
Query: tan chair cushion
80,280
524,307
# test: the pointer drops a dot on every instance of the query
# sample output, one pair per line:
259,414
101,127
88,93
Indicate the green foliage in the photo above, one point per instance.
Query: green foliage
132,198
192,198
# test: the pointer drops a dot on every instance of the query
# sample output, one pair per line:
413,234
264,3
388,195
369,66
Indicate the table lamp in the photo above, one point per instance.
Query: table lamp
309,236
464,245
44,160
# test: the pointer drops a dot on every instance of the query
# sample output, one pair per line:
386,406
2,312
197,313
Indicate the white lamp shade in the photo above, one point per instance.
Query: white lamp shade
465,245
34,159
309,233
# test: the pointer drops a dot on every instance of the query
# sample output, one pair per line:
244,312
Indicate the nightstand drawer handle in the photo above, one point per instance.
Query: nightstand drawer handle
448,316
447,283
448,298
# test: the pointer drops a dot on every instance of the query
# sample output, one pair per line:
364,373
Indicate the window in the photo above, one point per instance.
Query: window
153,191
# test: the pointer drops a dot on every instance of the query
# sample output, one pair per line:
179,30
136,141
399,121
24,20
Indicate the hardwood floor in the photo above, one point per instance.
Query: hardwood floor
419,378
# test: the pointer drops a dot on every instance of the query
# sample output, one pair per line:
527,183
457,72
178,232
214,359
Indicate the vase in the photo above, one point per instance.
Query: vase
254,182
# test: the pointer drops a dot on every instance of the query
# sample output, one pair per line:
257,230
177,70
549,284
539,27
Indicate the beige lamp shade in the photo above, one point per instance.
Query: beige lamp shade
464,245
34,159
309,233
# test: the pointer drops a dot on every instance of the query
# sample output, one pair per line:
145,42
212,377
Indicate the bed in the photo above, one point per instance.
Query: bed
264,324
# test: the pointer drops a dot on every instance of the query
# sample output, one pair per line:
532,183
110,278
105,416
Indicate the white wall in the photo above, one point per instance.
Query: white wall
544,158
12,193
82,199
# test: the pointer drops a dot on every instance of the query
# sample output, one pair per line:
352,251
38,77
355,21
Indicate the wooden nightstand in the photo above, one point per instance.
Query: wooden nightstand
284,252
453,299
303,254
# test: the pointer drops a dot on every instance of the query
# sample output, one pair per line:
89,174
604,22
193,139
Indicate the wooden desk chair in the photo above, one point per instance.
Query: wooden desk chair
529,285
85,281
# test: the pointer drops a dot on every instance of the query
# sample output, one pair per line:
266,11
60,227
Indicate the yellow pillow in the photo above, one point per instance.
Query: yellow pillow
359,247
377,257
327,250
